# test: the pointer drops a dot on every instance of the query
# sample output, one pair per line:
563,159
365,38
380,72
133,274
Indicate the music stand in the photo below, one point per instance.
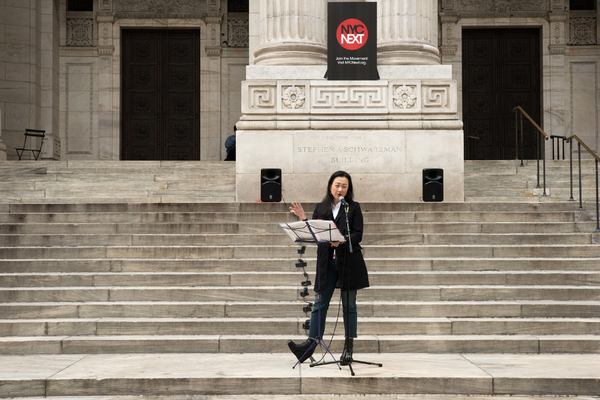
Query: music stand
315,231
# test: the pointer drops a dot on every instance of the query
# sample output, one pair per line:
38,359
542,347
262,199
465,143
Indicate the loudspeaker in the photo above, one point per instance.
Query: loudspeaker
433,184
270,185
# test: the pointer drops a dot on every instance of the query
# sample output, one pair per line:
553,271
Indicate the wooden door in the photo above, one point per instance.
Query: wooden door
501,70
160,95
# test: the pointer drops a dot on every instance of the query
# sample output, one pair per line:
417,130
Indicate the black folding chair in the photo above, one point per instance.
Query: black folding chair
33,133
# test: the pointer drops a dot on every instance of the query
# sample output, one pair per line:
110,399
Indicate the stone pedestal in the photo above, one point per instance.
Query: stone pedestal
384,132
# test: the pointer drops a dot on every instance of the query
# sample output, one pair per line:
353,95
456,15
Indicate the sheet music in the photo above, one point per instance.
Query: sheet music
313,231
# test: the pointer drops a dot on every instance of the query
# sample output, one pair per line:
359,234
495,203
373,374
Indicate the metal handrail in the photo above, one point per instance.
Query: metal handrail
597,160
539,149
543,151
558,139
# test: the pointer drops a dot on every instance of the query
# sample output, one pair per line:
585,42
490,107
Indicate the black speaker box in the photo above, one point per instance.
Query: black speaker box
270,185
433,184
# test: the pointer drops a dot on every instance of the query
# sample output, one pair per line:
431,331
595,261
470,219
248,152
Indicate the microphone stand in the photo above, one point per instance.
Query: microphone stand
346,277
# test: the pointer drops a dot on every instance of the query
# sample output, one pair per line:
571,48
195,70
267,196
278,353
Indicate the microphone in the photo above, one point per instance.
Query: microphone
343,201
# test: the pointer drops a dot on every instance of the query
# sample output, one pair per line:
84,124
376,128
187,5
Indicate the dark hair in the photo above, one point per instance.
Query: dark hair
328,199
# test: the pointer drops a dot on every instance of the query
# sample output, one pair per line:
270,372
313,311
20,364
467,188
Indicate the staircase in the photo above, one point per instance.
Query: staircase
508,181
93,182
118,296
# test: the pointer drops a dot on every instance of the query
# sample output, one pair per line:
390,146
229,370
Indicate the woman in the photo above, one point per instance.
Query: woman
335,260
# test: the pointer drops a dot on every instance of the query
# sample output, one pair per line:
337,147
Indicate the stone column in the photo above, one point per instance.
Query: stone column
406,32
292,32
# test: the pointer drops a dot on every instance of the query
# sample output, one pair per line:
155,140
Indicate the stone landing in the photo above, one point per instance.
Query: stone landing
272,374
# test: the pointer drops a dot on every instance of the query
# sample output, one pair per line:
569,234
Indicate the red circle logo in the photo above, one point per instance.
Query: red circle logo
352,34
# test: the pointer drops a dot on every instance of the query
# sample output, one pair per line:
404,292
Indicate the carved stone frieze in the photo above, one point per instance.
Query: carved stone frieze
347,98
259,97
80,32
106,5
501,6
293,97
405,96
162,7
238,32
400,98
582,31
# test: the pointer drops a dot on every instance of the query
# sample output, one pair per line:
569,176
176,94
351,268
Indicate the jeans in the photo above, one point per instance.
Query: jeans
322,302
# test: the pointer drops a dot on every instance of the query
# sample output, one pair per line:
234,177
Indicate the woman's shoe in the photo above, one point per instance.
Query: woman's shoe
346,357
301,351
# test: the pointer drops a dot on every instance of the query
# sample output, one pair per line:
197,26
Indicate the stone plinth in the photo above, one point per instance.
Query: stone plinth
384,133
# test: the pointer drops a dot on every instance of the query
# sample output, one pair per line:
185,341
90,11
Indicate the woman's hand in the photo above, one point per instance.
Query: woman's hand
334,244
297,210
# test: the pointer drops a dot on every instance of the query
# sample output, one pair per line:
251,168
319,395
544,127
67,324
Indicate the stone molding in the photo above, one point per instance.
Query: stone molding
422,100
556,50
213,26
105,42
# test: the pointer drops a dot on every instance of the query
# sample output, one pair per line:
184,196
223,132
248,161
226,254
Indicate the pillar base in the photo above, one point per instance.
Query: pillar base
408,54
291,53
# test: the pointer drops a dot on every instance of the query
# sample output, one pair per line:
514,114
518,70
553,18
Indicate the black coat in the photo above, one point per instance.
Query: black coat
353,262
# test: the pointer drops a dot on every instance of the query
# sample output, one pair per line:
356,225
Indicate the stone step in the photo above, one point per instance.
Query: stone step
283,309
167,228
291,278
214,239
293,326
272,374
288,264
387,344
271,217
90,207
291,293
118,183
283,251
210,197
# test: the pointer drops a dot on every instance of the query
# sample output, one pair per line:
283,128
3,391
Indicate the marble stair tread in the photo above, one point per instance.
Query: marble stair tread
291,278
283,251
402,309
288,293
220,239
292,326
167,228
286,263
161,309
193,374
515,344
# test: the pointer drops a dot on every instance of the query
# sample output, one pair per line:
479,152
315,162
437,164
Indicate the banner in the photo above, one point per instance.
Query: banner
352,41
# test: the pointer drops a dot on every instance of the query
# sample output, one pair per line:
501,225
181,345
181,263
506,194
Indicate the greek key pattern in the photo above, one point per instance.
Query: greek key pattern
348,98
436,97
318,97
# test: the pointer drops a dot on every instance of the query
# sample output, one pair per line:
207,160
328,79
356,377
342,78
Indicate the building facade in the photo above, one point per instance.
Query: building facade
162,79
